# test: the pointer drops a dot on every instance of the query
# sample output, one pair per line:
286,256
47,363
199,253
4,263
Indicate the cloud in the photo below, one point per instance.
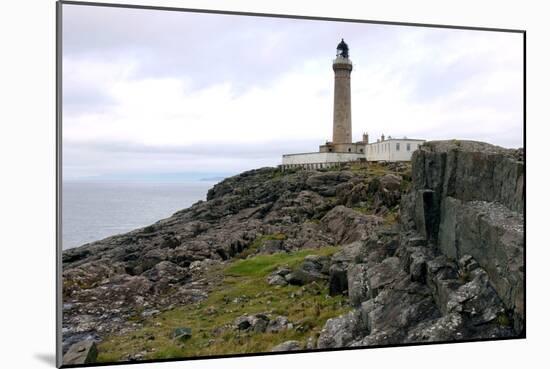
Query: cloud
166,91
130,160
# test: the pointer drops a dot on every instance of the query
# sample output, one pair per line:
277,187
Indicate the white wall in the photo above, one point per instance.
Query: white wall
320,158
387,150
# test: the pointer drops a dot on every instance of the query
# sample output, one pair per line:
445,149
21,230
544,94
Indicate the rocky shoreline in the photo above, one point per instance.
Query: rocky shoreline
423,254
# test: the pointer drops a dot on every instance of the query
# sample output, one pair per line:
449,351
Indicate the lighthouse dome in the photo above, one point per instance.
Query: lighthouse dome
342,49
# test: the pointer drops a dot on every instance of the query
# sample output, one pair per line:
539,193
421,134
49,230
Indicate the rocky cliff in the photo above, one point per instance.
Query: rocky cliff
458,270
356,256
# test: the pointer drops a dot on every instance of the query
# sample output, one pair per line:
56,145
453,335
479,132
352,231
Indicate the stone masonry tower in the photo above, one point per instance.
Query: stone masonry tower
341,129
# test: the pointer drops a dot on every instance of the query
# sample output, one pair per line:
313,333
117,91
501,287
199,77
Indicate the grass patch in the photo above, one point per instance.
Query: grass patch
391,218
363,209
377,169
262,265
244,290
503,320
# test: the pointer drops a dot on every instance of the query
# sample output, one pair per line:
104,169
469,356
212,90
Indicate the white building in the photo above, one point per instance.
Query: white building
318,160
392,149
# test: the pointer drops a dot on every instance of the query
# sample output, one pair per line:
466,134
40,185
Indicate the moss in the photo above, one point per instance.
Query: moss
464,276
391,218
262,265
244,290
503,320
363,209
279,173
406,183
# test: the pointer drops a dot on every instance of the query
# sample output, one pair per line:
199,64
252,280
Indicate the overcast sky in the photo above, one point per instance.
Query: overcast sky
150,94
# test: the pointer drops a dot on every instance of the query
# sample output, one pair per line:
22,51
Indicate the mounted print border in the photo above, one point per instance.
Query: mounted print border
227,184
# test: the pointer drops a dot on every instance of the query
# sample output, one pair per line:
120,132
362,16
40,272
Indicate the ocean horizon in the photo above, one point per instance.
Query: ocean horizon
94,210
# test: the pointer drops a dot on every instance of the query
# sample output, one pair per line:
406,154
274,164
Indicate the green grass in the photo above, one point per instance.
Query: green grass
262,265
503,320
243,290
391,218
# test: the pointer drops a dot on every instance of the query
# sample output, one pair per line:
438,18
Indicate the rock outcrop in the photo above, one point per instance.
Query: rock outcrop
436,254
112,285
81,353
468,199
457,272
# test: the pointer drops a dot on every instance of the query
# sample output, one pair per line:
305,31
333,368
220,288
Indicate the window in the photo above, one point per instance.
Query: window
408,147
397,146
349,150
361,150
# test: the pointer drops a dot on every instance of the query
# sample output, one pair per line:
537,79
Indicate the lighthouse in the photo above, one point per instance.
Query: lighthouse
342,149
341,113
341,126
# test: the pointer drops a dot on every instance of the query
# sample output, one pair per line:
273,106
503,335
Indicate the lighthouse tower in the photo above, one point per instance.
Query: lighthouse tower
341,115
342,149
341,129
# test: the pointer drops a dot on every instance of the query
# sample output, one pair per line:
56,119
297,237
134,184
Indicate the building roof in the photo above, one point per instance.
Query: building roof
397,139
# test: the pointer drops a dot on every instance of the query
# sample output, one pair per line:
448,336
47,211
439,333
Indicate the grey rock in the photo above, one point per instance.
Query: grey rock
467,263
325,183
349,225
338,269
474,171
350,194
150,313
341,331
468,199
477,300
182,333
313,268
338,278
311,343
447,328
382,275
257,323
354,252
84,352
276,280
418,267
390,182
395,310
357,284
387,191
278,324
166,272
243,323
287,346
271,247
494,237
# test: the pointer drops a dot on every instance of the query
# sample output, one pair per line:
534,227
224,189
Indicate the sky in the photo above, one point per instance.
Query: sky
150,94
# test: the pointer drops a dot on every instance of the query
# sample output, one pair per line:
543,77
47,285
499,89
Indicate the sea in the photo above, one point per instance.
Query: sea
92,211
